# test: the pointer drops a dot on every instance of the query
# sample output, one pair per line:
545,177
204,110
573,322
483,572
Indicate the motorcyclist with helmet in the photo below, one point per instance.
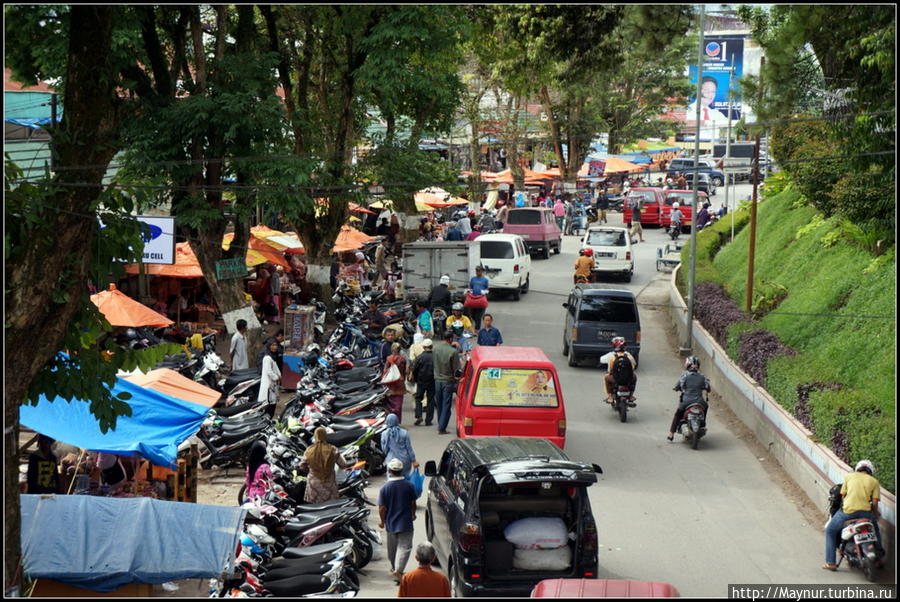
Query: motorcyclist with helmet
465,223
860,492
692,384
459,325
675,219
583,265
619,350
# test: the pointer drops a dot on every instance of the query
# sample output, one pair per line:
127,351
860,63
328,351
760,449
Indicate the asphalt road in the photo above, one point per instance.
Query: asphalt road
699,520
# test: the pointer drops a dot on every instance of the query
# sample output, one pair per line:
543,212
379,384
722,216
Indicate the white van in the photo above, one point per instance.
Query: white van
612,250
506,262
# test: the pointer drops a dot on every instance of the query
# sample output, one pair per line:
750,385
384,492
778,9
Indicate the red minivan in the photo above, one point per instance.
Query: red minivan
685,200
510,391
651,201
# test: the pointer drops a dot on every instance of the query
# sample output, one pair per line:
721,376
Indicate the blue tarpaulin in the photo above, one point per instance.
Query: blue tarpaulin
102,543
34,124
158,424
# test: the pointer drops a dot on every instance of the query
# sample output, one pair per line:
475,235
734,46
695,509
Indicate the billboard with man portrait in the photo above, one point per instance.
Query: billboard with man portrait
720,55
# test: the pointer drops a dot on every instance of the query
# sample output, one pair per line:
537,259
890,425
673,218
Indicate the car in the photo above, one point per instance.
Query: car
481,486
510,391
612,250
705,165
595,314
537,225
703,183
650,200
506,263
685,200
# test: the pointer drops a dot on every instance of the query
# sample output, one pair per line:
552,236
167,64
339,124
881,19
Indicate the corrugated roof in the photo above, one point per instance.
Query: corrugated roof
10,85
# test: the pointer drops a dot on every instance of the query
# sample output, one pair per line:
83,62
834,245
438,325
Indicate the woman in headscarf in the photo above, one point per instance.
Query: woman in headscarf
396,444
396,389
258,477
319,459
270,374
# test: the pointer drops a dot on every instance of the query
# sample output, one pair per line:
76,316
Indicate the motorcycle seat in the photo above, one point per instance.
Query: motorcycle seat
364,415
301,585
308,551
242,430
341,427
342,438
330,505
234,409
282,563
244,373
302,567
349,400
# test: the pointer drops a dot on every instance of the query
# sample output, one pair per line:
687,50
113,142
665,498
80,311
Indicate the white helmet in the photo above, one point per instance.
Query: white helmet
674,205
865,465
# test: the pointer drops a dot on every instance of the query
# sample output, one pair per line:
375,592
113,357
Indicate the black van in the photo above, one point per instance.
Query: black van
595,314
482,485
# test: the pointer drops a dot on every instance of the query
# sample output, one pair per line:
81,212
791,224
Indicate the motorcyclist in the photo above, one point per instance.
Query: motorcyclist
583,265
487,221
676,217
692,384
619,350
460,324
860,492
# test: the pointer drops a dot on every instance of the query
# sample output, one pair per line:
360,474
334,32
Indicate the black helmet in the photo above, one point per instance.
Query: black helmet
692,363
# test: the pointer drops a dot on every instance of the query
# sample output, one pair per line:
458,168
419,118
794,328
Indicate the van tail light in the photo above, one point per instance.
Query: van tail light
574,334
467,425
561,427
589,540
470,538
627,255
637,337
516,269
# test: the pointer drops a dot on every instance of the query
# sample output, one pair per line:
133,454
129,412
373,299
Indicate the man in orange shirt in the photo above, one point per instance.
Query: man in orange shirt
424,582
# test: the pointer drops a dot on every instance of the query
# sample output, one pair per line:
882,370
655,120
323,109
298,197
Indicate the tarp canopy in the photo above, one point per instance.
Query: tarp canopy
103,543
350,239
158,424
121,310
186,265
172,383
354,208
259,251
280,241
616,165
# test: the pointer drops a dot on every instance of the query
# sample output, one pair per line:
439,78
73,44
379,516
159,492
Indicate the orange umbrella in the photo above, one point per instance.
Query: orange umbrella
616,165
357,209
259,252
172,383
185,266
121,310
350,239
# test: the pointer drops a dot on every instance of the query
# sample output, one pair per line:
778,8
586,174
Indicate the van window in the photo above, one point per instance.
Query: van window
644,196
496,249
682,198
516,387
606,238
524,218
600,308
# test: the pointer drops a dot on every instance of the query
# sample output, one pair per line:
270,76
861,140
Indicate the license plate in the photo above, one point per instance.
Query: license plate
605,334
864,537
605,254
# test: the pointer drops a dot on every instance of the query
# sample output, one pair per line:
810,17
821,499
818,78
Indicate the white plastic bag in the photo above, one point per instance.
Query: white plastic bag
391,376
559,559
537,533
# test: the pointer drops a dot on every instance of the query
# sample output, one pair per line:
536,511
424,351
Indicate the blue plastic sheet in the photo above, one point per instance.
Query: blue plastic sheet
102,543
158,424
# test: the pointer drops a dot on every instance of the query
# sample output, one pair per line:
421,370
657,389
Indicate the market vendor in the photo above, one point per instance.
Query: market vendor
43,468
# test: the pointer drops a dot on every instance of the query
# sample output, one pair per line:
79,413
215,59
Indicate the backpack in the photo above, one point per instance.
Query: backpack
622,371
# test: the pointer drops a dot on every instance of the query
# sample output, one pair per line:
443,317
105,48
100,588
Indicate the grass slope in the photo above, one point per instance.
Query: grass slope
839,315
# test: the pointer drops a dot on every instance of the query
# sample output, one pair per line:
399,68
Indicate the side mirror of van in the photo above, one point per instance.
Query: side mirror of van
431,468
597,468
566,305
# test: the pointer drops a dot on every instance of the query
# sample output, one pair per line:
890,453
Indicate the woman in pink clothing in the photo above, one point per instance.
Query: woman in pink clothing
559,210
261,480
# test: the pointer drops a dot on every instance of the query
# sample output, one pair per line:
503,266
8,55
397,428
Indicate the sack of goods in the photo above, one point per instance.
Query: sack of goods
540,544
559,559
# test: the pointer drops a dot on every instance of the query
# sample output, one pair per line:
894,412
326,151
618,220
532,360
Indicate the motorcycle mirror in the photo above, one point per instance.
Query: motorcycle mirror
597,468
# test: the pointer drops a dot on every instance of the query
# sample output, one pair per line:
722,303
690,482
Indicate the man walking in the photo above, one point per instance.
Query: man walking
488,335
239,359
424,582
637,229
422,373
602,207
381,260
397,511
446,362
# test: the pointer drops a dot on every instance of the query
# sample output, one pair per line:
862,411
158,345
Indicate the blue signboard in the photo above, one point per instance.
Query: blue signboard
720,55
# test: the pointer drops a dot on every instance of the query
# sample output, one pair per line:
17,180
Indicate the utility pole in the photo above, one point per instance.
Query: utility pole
688,344
53,104
751,254
728,174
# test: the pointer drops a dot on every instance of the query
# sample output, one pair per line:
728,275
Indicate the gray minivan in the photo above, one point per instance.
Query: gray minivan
595,313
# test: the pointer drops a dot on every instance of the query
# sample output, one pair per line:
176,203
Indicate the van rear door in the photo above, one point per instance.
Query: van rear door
526,402
537,470
527,223
601,317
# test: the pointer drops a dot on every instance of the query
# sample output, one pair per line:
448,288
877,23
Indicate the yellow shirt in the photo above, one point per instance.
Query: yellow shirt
464,320
859,490
583,266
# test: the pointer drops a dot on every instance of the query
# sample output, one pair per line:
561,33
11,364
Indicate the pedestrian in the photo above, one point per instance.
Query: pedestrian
421,372
602,207
488,335
397,511
637,229
440,296
381,253
239,359
397,388
258,475
395,443
424,582
424,323
335,270
320,459
384,350
278,338
270,374
559,210
391,281
394,228
275,291
43,468
446,363
570,215
374,320
384,229
477,302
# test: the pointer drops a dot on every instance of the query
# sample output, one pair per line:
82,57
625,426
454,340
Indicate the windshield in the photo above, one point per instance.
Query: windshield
496,249
642,196
600,308
524,218
512,387
606,238
682,198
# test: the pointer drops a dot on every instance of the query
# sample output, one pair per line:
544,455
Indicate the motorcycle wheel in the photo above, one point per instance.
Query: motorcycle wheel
241,494
868,568
365,550
623,411
695,442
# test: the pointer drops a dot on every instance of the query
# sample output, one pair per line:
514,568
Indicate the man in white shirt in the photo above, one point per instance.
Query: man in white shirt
239,360
710,118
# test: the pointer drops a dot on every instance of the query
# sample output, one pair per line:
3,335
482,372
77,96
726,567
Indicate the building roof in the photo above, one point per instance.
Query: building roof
11,85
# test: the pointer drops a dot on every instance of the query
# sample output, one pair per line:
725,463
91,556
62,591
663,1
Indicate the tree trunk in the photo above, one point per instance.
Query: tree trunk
554,132
475,153
61,252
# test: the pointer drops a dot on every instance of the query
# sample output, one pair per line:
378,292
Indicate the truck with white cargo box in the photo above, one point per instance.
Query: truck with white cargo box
425,262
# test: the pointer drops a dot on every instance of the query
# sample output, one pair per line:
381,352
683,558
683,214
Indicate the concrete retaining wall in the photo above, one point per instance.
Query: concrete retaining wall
813,467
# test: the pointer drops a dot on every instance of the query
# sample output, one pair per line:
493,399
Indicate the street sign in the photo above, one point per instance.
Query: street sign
159,239
228,269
